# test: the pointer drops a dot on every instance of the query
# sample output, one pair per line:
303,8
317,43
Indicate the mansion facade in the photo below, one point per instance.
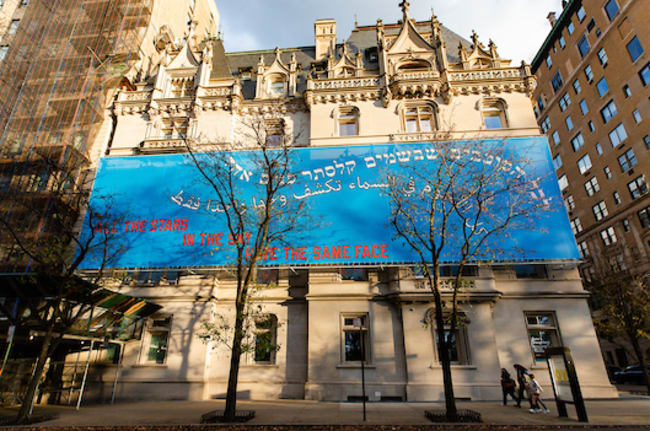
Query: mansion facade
411,81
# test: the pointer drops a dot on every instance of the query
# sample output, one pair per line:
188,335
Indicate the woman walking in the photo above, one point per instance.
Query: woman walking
535,394
507,386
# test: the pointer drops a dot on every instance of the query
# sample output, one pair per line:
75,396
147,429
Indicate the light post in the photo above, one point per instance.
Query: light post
358,324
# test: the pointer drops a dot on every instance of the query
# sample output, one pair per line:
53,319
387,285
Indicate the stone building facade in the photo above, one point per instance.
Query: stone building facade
592,101
411,81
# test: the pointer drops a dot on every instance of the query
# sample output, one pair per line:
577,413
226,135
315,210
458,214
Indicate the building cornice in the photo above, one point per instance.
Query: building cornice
567,12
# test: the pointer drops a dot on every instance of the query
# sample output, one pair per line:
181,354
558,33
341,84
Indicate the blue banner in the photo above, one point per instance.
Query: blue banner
168,216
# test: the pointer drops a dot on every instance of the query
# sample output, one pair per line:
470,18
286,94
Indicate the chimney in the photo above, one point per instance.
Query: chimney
325,35
551,18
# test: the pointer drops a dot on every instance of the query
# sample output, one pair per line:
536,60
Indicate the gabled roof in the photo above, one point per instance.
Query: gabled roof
409,39
362,39
220,65
184,60
278,66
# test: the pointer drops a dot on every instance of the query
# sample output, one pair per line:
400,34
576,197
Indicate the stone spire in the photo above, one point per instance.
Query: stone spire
405,9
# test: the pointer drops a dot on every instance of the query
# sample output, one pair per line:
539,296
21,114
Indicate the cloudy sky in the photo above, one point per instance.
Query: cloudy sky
518,27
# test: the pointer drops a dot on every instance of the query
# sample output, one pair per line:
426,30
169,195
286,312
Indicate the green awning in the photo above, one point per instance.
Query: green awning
110,314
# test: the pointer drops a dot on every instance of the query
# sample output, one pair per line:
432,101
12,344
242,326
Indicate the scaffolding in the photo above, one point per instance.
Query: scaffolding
88,356
56,79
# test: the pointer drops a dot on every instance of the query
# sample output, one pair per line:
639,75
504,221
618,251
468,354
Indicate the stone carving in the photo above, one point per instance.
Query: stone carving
445,284
218,92
347,83
430,74
133,96
479,75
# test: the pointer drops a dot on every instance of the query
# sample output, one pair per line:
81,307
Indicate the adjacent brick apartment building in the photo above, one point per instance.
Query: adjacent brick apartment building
592,101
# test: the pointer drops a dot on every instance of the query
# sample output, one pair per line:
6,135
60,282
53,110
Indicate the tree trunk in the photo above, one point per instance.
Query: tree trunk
443,352
634,340
235,356
28,402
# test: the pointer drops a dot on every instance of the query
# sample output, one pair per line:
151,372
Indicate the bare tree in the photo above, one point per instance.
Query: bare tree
257,228
621,301
460,208
45,203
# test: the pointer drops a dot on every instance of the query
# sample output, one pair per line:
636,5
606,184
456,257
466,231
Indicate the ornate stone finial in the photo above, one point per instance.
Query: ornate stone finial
475,39
207,53
261,62
405,9
345,48
191,27
462,52
356,23
434,17
493,49
277,51
293,57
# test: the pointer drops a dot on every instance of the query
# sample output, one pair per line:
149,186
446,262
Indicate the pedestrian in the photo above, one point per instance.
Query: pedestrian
508,386
536,396
521,382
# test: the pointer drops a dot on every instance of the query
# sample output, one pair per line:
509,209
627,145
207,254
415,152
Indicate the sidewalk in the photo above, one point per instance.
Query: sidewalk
624,411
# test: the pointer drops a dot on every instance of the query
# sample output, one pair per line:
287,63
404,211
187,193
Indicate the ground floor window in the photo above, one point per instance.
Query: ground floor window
457,340
458,345
543,333
265,338
156,340
355,339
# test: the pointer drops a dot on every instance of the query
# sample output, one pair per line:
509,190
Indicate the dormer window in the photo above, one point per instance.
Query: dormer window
275,87
371,54
414,66
418,118
346,72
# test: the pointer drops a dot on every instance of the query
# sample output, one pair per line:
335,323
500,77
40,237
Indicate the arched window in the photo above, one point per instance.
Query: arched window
493,112
413,66
348,121
419,118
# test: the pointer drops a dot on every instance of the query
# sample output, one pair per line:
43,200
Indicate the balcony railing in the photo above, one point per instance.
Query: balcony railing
481,75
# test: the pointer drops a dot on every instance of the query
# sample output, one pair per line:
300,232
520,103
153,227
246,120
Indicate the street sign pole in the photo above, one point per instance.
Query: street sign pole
357,323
